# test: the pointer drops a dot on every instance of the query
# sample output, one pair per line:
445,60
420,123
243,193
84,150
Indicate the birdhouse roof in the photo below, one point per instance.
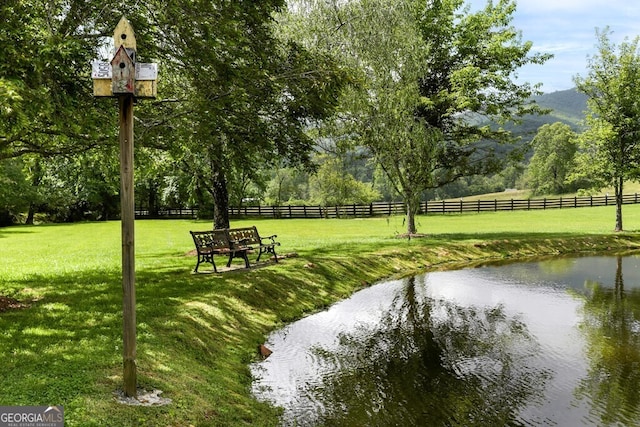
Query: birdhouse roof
121,55
123,34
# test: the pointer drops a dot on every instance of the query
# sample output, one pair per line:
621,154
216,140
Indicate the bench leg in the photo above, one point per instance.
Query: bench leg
205,258
246,259
268,250
241,254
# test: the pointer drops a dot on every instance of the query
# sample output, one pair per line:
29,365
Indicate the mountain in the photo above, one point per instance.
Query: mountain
567,106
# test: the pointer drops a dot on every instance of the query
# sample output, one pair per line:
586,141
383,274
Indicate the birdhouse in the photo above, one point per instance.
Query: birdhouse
123,35
146,84
123,72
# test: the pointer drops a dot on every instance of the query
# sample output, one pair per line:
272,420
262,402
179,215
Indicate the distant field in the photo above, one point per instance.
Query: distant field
629,188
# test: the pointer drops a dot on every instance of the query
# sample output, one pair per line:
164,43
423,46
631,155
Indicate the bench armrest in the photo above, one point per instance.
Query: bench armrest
272,238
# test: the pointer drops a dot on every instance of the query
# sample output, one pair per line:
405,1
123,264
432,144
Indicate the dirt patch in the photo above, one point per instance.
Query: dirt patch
144,398
8,303
411,236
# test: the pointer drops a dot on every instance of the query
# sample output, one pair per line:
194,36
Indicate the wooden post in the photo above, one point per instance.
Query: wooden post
128,244
127,80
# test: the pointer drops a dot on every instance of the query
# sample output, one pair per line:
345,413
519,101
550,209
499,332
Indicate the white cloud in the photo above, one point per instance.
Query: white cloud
566,28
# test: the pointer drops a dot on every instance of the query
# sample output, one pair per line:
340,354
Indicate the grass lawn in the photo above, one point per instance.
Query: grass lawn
196,333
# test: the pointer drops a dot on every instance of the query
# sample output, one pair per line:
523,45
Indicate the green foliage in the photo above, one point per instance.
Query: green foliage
15,191
333,186
611,147
287,185
247,95
553,159
46,103
425,70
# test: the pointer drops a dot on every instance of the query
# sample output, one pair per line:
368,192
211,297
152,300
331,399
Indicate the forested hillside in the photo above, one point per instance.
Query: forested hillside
567,106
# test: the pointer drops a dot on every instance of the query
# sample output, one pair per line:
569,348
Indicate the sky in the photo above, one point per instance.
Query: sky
567,29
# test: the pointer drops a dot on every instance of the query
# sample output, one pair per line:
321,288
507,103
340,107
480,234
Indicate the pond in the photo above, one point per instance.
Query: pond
554,342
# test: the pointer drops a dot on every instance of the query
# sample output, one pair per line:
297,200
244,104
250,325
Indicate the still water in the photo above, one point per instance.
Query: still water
549,343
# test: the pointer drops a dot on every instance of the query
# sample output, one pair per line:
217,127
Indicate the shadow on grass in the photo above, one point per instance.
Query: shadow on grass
67,346
11,231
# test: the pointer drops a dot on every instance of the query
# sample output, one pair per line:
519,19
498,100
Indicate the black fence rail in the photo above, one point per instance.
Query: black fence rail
167,213
345,211
393,208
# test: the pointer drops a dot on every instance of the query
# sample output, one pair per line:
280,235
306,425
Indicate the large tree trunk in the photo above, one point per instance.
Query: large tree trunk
31,214
618,190
37,179
220,201
412,204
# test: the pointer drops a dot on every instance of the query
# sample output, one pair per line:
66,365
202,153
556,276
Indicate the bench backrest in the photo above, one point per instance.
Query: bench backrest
246,235
209,239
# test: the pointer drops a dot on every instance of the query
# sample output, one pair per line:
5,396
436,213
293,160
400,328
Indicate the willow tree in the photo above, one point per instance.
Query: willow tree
611,144
433,74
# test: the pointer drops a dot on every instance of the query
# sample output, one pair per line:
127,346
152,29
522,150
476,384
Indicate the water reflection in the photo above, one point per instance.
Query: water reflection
611,325
431,362
542,343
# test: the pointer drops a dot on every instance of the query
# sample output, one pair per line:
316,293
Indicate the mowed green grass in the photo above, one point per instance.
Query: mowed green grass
197,333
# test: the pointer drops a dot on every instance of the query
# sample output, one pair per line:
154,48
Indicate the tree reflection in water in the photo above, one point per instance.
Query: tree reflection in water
611,326
431,362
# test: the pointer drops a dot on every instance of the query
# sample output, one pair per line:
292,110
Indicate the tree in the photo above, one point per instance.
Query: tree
611,144
286,185
432,77
15,191
247,96
46,102
554,149
333,186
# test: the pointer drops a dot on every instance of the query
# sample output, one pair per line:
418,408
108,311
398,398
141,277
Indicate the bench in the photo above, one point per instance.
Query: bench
248,236
217,242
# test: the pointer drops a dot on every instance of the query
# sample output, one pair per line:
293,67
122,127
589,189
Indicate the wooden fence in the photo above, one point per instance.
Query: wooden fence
384,208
